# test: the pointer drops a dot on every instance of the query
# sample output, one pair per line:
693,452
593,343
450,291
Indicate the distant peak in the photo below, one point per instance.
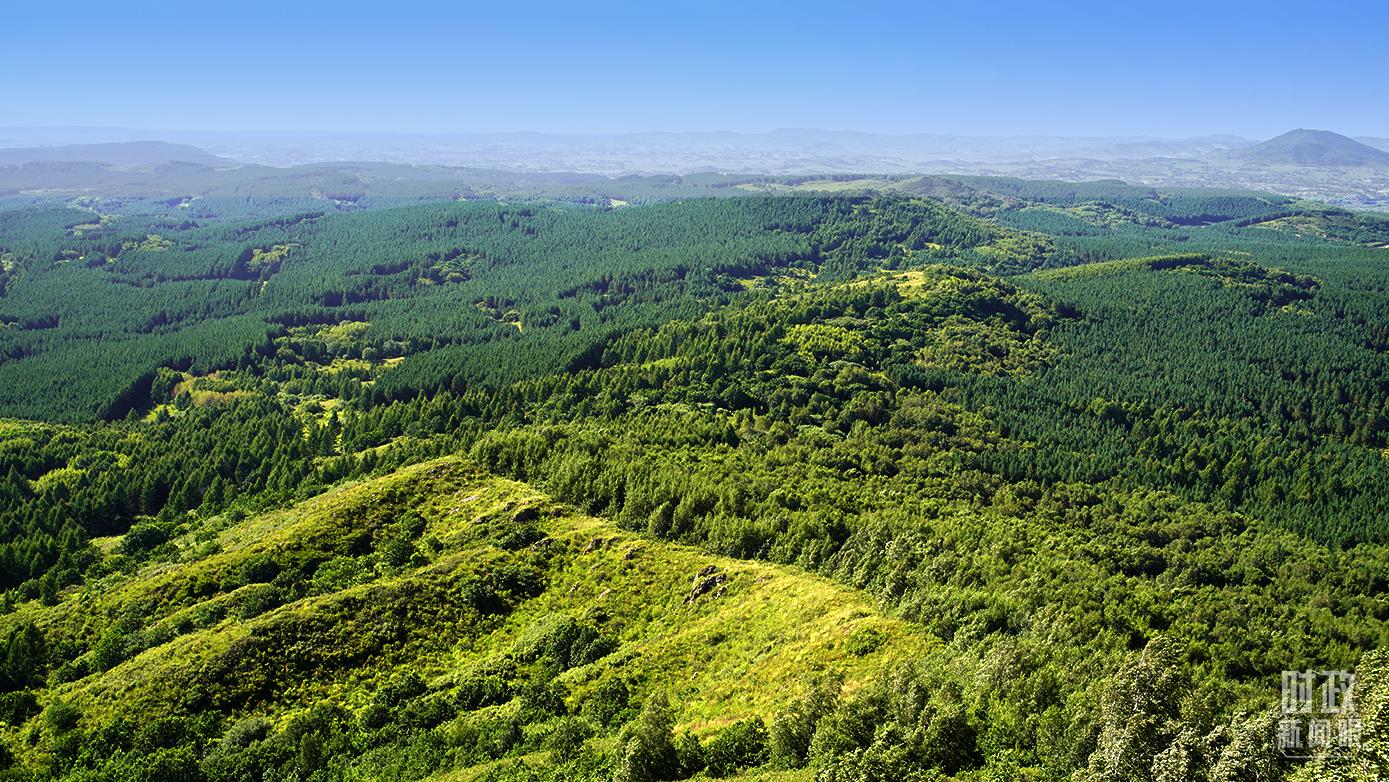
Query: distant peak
1310,147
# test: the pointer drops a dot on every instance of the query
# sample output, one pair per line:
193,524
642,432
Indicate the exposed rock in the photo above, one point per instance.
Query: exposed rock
705,585
631,553
525,515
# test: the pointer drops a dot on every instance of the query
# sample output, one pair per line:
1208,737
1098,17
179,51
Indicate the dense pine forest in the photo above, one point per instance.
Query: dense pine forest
959,478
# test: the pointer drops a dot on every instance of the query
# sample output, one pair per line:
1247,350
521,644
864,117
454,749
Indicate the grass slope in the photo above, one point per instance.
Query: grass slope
215,639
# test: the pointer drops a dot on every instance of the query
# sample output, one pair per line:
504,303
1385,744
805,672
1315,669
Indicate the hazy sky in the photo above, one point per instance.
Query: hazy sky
982,68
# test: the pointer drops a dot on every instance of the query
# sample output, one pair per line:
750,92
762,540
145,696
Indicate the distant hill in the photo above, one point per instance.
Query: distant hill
1313,148
126,153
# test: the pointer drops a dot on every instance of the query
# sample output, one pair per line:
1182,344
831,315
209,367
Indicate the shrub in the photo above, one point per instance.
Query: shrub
425,713
161,733
259,569
246,732
739,746
340,573
518,536
542,699
389,701
480,690
607,705
61,717
566,643
16,707
257,599
490,737
648,753
397,552
177,764
120,642
690,757
568,737
863,641
493,591
792,731
144,537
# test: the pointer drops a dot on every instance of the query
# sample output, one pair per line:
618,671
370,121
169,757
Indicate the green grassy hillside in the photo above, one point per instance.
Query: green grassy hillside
480,594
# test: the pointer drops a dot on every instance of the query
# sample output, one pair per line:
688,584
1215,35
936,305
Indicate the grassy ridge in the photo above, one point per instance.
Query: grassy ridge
217,644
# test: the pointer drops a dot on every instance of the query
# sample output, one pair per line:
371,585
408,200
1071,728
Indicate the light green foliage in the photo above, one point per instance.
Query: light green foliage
647,750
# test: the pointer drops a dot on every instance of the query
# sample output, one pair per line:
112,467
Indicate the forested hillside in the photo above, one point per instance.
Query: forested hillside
975,479
477,292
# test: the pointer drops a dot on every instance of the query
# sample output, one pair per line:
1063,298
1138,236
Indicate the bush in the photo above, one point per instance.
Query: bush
567,738
541,700
482,737
387,705
244,752
482,689
566,643
648,753
16,707
863,641
259,569
178,764
495,590
397,552
340,573
689,755
257,599
144,537
792,731
517,536
61,717
739,746
425,713
161,733
607,705
246,732
118,643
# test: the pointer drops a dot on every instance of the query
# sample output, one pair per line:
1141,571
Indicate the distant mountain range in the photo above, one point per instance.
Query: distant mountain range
782,151
123,153
1306,163
787,151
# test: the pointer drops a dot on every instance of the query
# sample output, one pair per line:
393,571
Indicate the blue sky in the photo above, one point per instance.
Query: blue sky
1000,68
